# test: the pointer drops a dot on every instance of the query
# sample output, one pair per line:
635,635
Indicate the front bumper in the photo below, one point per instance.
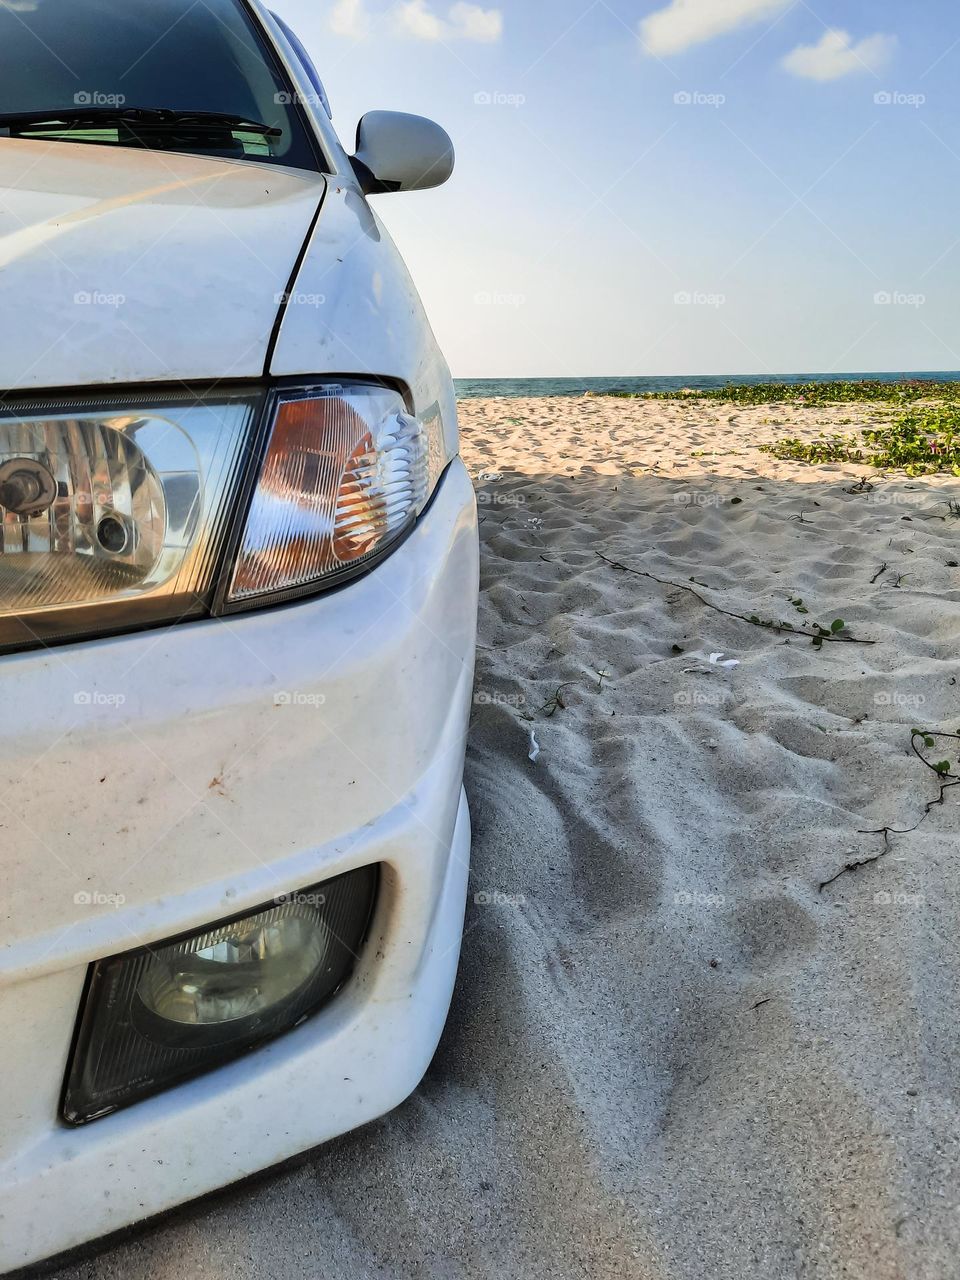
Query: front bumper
152,783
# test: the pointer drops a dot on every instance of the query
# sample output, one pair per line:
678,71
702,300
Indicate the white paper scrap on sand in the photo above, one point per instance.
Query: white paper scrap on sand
715,659
534,747
720,661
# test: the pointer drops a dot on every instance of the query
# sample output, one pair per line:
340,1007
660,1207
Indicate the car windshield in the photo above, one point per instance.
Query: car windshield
178,56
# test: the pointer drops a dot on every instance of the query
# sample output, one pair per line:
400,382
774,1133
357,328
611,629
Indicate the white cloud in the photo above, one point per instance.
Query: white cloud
684,23
350,18
464,22
417,20
836,55
474,23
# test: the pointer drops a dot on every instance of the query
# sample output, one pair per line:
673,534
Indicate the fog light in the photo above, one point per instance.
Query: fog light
152,1018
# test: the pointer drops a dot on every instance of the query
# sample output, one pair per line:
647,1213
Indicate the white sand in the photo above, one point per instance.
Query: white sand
671,1054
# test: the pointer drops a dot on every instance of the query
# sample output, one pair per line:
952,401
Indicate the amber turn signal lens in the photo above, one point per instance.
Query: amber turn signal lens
345,473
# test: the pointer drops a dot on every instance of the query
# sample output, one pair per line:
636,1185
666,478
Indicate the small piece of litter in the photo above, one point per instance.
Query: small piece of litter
534,747
719,660
490,475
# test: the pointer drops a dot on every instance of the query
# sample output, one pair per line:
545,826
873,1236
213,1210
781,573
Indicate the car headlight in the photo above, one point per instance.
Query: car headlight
113,514
119,513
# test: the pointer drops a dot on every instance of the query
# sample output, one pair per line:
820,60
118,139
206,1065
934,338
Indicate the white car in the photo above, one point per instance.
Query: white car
238,592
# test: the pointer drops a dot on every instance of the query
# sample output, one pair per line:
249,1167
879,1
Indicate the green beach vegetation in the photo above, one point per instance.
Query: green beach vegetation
921,437
809,394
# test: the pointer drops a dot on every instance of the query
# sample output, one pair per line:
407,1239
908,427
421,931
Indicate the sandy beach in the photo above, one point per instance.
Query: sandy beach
686,1043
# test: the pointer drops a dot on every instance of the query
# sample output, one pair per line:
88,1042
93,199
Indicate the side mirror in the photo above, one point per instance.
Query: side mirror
397,152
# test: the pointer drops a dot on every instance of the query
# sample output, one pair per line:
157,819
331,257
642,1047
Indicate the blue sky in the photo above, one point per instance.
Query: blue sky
671,186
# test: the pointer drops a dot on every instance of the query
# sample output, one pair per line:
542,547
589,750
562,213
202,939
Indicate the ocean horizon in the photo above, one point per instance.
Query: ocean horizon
521,388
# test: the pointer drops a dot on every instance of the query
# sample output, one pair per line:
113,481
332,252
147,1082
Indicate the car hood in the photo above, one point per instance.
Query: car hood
120,265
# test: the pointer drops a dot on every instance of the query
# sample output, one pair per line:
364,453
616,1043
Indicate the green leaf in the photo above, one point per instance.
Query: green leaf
942,767
838,624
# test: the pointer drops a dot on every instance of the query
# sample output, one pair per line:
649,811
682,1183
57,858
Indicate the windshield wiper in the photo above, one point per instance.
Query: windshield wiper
135,118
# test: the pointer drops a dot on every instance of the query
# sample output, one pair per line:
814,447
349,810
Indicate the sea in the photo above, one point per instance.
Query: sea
519,388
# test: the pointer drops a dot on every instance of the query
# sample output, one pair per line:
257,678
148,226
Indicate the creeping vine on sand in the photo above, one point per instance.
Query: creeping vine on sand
946,779
923,440
809,394
556,702
836,633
